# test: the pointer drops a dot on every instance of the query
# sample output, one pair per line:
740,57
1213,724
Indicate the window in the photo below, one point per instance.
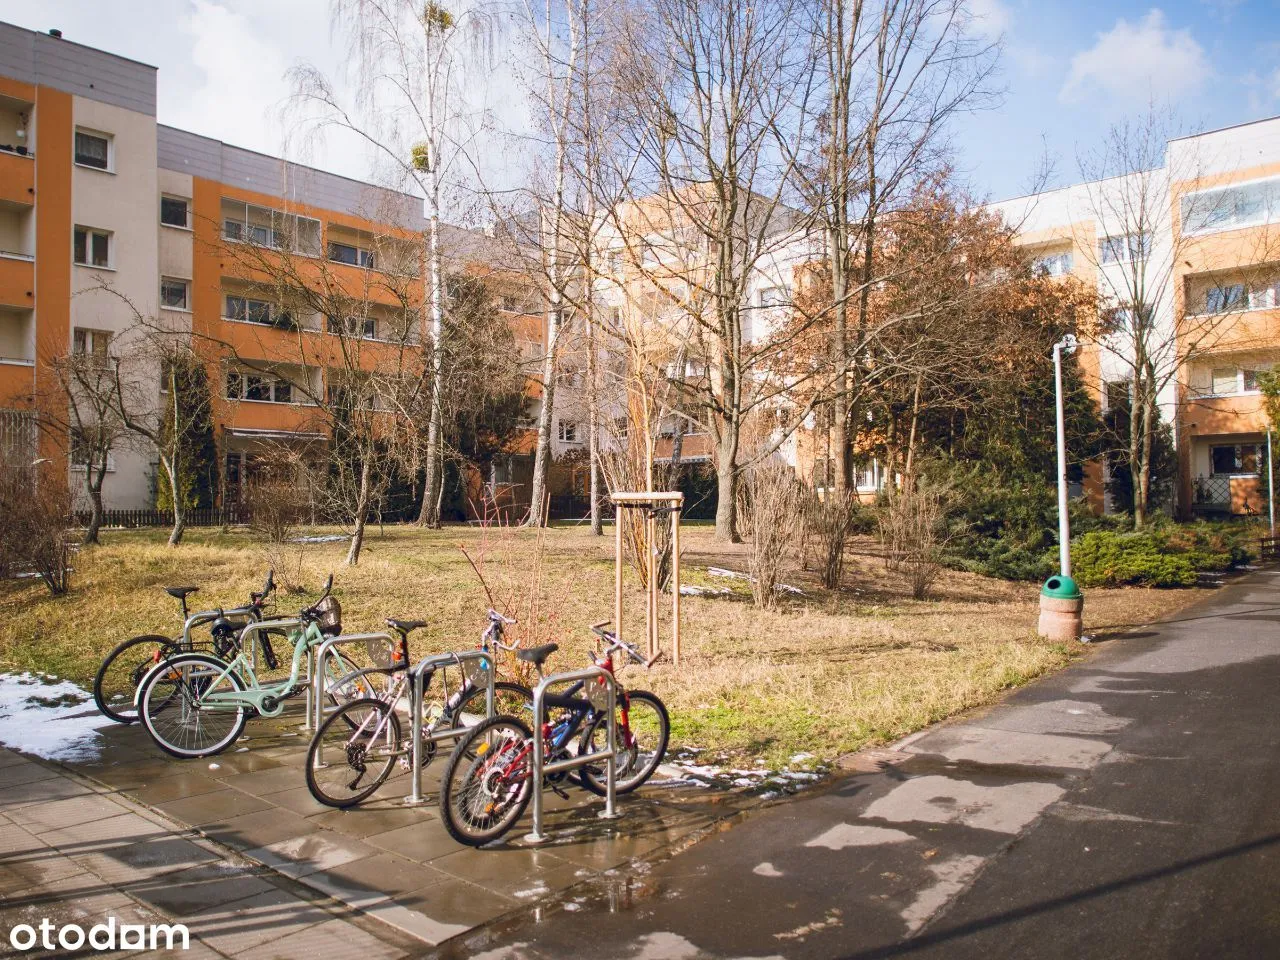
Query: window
1116,394
259,387
248,310
93,150
246,223
1224,299
774,297
92,247
1236,458
173,293
365,327
1231,207
1230,380
1262,298
92,342
174,212
1054,264
355,256
84,451
1126,248
567,430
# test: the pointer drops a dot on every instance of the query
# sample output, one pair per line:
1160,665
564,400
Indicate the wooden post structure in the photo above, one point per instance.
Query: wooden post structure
652,503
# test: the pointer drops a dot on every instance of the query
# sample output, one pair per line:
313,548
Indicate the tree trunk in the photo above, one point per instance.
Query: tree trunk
1135,449
93,486
727,486
361,513
179,511
429,513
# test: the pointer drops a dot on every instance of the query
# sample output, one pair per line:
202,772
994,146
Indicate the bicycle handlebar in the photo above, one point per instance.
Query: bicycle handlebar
613,643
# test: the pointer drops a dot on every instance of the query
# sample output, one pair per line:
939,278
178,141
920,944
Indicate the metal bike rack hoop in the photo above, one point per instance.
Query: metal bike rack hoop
541,767
417,690
315,700
247,637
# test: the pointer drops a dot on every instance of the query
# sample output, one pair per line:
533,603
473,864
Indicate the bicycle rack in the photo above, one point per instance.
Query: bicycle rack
247,636
366,672
315,698
417,690
541,768
201,617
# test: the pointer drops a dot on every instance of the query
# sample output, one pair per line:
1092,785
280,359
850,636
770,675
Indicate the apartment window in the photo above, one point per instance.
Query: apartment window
1262,298
246,223
1224,299
175,212
92,248
1055,264
1231,207
355,256
1239,458
250,310
567,430
771,297
1230,380
90,342
93,150
1127,248
258,387
365,327
173,293
1116,394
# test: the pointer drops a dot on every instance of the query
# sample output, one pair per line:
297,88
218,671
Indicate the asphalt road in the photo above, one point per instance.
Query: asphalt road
1126,807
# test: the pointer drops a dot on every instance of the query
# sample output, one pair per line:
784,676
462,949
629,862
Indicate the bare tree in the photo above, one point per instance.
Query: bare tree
412,60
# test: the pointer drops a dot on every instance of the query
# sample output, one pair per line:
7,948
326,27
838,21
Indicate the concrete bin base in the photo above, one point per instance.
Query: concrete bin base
1060,618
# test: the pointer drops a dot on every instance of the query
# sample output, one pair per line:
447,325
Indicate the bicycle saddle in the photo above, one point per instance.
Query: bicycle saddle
180,593
404,626
537,655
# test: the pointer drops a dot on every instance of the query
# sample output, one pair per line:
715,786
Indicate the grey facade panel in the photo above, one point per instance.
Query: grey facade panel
83,71
211,159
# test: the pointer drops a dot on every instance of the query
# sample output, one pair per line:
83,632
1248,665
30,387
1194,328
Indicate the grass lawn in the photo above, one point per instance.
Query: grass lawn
823,675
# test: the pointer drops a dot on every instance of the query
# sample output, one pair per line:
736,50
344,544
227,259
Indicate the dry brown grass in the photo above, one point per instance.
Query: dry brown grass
813,676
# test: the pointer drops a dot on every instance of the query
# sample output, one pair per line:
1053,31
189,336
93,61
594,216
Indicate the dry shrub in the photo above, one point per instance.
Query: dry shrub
913,531
286,560
276,508
771,507
829,521
34,515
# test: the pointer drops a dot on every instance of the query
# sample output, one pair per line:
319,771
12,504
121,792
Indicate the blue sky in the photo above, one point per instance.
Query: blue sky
1069,69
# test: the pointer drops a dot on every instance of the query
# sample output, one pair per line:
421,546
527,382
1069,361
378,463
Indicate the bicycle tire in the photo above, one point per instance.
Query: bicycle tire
594,778
149,716
469,754
352,760
508,698
120,704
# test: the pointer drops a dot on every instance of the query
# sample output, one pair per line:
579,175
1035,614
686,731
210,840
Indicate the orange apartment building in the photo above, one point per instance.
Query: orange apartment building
1212,257
94,192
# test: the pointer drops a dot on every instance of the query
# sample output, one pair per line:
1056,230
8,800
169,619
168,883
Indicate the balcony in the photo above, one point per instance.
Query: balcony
17,178
17,281
1229,495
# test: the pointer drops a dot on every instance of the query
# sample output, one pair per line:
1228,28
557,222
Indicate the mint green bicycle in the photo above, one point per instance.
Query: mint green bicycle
196,705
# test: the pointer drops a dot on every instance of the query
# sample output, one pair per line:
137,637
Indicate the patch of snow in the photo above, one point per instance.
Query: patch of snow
691,590
322,538
734,575
48,717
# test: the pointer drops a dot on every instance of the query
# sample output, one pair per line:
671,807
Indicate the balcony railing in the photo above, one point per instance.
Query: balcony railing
1235,494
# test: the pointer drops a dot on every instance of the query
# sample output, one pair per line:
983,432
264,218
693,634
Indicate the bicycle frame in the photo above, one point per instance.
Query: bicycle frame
267,700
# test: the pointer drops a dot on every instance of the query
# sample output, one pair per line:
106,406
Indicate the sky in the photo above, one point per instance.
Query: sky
1068,70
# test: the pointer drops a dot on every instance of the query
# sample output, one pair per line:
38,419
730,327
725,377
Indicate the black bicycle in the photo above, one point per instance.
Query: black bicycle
117,679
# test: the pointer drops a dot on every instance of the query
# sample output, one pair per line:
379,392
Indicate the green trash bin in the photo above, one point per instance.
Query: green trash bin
1061,609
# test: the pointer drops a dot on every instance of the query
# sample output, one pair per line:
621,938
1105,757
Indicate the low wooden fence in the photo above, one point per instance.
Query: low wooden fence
136,519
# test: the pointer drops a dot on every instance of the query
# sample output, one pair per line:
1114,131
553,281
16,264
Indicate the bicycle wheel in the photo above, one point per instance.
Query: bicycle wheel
340,686
648,726
175,714
485,786
359,746
115,685
509,700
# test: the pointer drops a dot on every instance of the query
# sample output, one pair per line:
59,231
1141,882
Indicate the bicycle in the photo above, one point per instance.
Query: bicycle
196,705
115,684
356,748
487,782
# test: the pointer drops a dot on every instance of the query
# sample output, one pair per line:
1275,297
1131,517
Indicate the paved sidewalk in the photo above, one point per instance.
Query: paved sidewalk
75,853
1125,807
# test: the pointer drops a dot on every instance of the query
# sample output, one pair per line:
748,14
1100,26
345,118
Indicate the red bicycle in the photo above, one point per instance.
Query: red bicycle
487,782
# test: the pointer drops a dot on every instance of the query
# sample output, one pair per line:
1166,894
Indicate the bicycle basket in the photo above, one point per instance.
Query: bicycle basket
329,616
476,671
598,693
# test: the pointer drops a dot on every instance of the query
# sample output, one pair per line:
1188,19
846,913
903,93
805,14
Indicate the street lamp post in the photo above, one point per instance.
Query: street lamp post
1066,345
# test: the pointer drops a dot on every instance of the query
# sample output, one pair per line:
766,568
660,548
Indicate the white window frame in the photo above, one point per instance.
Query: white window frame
186,294
90,233
567,431
91,335
1241,387
100,135
270,380
1055,264
275,232
186,202
1270,212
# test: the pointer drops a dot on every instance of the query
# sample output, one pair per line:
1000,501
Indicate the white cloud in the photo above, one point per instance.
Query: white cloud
1135,61
991,18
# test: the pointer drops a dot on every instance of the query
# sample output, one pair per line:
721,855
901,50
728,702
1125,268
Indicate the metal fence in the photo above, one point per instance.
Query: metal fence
136,519
1235,495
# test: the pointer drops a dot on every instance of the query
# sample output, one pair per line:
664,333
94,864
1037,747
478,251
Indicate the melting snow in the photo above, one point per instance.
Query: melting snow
48,717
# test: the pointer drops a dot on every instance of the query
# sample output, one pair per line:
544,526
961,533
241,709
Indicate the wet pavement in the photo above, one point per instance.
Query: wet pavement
392,862
1124,807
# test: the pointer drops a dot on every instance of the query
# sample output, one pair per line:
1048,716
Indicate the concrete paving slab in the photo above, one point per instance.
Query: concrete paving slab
423,843
366,821
212,807
237,926
510,872
61,813
456,904
300,856
331,940
177,786
258,829
200,888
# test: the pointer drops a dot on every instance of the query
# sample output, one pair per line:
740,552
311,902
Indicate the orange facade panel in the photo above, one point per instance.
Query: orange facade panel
17,384
17,179
1216,416
17,283
295,418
